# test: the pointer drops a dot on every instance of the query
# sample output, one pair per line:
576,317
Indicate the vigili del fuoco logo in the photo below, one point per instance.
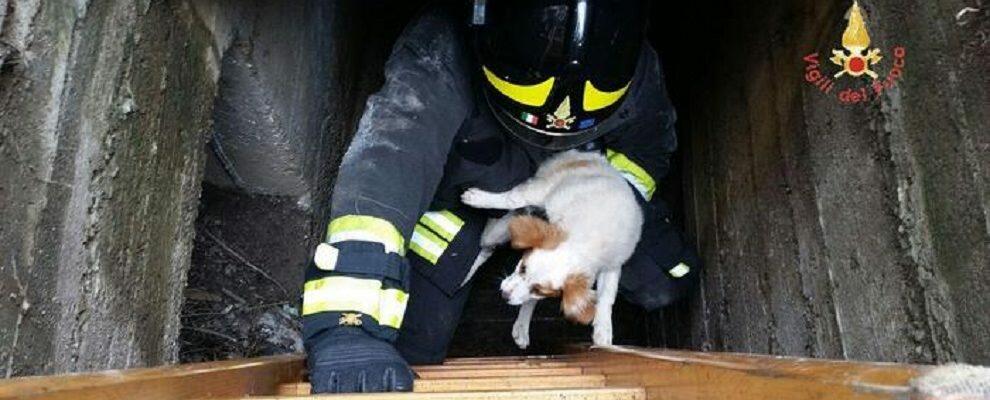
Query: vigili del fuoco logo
856,65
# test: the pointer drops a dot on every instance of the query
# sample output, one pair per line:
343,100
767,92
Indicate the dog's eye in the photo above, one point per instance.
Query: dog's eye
522,269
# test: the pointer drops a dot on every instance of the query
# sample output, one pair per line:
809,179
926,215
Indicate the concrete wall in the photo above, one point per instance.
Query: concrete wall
270,134
279,94
104,110
293,81
112,116
833,230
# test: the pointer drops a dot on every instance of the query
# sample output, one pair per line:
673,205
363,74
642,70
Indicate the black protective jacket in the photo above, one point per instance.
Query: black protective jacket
424,138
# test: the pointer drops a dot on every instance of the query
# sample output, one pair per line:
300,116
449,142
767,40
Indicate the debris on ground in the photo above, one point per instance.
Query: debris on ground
233,308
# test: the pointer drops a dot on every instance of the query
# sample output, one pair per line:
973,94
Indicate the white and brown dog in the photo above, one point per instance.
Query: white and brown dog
592,225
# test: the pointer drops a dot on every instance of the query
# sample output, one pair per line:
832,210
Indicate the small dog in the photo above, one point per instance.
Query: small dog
591,226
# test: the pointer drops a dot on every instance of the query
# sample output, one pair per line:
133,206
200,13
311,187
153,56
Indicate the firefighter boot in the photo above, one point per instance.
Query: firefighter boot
349,360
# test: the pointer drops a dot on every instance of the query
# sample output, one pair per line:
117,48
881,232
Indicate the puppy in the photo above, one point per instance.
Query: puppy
591,227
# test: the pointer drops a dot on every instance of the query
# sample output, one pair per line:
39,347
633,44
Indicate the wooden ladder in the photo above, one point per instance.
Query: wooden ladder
515,378
601,374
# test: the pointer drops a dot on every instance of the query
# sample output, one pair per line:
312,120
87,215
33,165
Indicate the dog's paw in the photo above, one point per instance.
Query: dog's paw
520,334
602,336
478,198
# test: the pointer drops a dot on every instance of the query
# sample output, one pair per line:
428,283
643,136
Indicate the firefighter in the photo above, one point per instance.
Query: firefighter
480,100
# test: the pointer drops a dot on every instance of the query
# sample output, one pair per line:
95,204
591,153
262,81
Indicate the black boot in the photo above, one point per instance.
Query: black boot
349,360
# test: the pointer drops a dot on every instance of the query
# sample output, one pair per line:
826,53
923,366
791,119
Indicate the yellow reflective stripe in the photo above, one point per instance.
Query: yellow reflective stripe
393,307
427,244
366,296
452,218
595,99
633,173
367,229
530,95
444,223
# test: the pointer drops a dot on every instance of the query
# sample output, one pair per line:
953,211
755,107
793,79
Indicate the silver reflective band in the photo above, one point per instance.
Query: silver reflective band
326,257
426,244
679,270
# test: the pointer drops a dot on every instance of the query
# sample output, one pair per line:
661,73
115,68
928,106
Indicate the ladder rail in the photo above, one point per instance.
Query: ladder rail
673,374
219,379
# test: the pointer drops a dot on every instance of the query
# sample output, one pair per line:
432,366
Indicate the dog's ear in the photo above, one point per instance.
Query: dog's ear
577,301
531,232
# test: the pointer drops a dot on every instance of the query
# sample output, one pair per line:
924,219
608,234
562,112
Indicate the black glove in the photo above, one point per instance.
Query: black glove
347,360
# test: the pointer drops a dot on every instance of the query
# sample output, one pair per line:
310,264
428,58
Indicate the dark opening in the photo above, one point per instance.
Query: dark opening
245,280
681,35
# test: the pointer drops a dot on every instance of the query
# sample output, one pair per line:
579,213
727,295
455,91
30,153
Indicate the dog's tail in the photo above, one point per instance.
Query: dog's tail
530,232
577,300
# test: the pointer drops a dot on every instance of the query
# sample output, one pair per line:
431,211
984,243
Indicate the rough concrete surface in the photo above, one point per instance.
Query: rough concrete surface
292,82
103,116
267,179
269,133
834,230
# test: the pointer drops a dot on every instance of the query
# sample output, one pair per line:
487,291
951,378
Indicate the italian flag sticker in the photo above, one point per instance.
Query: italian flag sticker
529,118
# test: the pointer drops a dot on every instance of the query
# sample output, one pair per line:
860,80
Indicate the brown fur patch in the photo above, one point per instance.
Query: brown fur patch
544,291
574,165
531,232
577,302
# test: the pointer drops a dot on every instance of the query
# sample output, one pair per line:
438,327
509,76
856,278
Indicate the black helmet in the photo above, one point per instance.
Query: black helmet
555,70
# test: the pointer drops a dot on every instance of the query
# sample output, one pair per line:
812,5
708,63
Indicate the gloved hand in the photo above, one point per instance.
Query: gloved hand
348,359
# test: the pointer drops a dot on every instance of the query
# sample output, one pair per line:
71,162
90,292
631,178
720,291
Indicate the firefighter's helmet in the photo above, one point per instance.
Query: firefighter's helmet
555,71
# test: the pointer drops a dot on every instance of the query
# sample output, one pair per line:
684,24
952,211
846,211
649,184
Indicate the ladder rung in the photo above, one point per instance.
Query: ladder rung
610,393
497,372
504,364
480,384
474,360
509,383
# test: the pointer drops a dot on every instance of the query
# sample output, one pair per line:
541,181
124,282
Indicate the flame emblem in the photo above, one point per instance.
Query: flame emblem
561,118
856,40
